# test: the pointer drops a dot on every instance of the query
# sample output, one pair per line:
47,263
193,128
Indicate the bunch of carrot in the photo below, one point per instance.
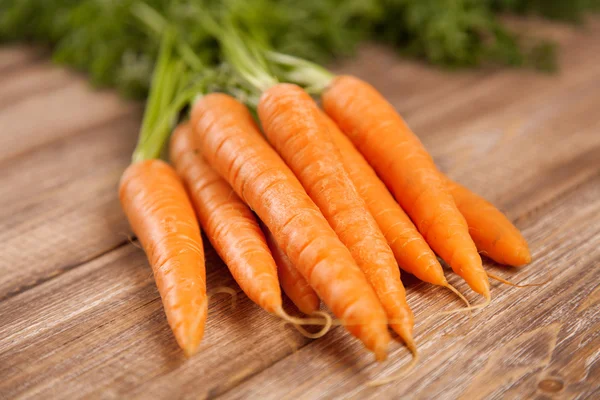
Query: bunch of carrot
303,203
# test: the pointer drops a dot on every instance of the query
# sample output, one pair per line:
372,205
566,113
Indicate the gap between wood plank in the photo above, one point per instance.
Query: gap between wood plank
23,95
60,271
527,214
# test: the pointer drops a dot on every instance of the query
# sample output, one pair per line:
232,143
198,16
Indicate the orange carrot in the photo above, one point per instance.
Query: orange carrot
293,283
232,144
494,235
160,213
229,224
400,159
410,249
294,125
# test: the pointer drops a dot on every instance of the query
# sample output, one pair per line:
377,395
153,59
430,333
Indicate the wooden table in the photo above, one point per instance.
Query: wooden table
80,316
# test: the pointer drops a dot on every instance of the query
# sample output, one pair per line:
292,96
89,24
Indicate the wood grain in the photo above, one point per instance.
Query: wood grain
512,342
57,215
80,316
55,114
31,79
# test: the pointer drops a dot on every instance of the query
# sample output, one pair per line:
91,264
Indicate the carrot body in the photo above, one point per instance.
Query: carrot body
293,283
494,235
294,125
400,159
233,145
159,211
410,249
229,224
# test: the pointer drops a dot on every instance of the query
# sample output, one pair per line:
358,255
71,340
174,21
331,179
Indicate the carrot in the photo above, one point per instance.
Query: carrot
293,283
400,159
158,210
233,146
410,249
229,224
494,235
294,125
412,252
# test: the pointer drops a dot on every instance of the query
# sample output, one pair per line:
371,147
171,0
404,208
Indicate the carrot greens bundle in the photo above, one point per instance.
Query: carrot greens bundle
107,40
319,184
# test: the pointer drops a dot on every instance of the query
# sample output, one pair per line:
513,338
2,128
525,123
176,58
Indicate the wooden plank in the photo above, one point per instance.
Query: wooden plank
31,79
58,204
56,114
514,119
99,331
60,170
507,167
527,342
71,327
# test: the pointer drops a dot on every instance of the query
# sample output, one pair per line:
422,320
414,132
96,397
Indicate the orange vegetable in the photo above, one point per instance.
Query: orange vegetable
400,159
494,235
159,211
293,283
294,125
410,249
229,224
232,144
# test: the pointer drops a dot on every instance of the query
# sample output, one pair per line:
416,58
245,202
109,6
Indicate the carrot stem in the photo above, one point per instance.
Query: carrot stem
157,24
243,53
311,76
154,98
162,129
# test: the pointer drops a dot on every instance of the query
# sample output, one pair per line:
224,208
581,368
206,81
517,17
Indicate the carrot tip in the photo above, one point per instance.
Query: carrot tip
191,341
524,256
405,334
190,350
380,353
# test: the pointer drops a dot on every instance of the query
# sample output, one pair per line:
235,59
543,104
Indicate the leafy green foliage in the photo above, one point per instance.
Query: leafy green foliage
566,10
118,45
457,33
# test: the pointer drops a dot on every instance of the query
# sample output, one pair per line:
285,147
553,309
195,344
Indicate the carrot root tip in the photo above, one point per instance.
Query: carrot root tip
488,300
459,294
517,285
298,323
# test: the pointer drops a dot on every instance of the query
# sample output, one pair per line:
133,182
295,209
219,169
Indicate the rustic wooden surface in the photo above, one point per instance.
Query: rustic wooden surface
80,316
